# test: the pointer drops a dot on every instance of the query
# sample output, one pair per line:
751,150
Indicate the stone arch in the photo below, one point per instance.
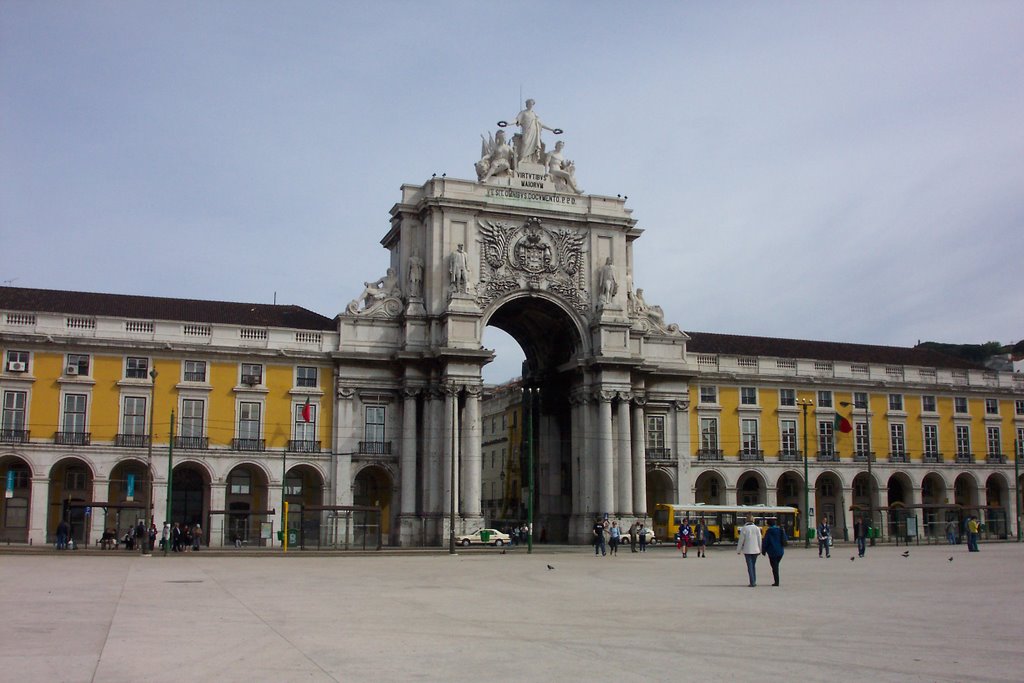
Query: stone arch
246,502
828,499
965,490
304,487
709,488
899,489
660,489
373,486
997,498
934,495
537,320
751,488
127,476
789,489
71,481
15,511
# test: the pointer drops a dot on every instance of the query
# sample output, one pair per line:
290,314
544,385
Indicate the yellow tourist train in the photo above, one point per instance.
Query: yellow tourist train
722,521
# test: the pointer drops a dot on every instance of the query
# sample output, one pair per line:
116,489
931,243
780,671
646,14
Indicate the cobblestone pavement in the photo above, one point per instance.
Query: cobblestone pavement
486,615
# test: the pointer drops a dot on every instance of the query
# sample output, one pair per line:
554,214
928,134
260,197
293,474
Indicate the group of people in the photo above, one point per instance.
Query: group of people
181,537
695,534
608,537
772,545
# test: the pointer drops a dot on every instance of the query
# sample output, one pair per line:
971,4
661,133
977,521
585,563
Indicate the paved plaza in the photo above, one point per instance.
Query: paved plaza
484,615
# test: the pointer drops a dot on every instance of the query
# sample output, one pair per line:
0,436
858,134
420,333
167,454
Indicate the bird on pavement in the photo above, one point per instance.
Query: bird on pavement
852,558
550,567
906,554
950,559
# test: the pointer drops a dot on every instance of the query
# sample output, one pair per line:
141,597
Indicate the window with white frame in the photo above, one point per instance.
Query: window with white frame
1020,442
1018,407
305,376
136,368
826,436
249,420
252,374
991,406
824,399
748,396
293,485
709,394
963,440
787,397
74,413
860,439
133,421
17,361
241,482
860,400
192,418
995,444
14,412
656,433
374,426
931,440
896,402
305,431
960,405
76,478
195,371
709,434
897,439
80,363
787,445
928,404
748,436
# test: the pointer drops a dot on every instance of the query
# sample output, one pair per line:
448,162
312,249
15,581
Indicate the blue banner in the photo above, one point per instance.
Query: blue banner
131,487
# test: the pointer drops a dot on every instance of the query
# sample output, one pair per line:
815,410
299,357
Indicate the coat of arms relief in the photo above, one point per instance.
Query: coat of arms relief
531,256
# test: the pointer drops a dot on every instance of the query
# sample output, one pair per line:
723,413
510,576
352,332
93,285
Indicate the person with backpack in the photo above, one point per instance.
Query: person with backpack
685,537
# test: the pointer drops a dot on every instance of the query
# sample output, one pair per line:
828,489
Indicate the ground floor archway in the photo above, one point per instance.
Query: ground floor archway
16,503
660,489
829,503
372,488
71,481
709,488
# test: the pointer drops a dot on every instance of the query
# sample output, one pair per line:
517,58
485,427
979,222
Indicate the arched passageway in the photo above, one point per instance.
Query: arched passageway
997,495
246,503
304,487
373,487
750,489
828,502
709,488
16,503
71,481
660,489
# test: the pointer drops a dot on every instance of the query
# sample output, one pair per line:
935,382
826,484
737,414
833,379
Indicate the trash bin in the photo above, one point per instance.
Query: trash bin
485,536
293,537
810,534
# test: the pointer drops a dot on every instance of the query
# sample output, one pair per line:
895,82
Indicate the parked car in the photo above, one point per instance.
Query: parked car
484,537
651,540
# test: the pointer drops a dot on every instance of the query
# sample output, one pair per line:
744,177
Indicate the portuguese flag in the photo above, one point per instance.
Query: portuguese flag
843,425
307,411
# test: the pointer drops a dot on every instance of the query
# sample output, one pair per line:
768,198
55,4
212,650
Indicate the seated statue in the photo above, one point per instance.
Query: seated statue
380,289
561,170
655,313
497,157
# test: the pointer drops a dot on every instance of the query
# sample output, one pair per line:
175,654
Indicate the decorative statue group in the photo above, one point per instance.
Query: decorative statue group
498,157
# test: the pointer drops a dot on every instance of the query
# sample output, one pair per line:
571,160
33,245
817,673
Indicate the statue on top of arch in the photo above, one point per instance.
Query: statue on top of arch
527,152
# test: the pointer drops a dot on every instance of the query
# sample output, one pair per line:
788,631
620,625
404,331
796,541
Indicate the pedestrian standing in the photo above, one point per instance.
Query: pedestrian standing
825,538
197,537
176,538
860,532
774,545
700,536
632,536
951,532
685,537
63,531
165,537
642,533
973,530
599,538
614,533
749,546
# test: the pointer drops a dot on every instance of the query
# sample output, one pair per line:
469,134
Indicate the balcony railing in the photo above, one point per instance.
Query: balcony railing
14,435
899,457
790,456
932,457
72,438
375,447
131,440
195,376
751,455
709,454
828,457
659,453
965,458
861,456
249,444
192,443
995,459
303,446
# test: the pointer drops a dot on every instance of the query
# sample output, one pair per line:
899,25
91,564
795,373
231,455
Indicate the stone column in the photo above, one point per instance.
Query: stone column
431,458
847,513
682,448
38,509
408,459
471,457
218,501
97,520
606,490
344,445
448,450
624,482
639,459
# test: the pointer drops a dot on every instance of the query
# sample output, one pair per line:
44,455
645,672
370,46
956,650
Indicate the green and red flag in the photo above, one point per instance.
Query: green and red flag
843,425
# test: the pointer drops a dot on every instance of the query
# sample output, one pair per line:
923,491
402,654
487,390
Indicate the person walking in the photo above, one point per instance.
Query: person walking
700,537
774,546
860,532
825,538
613,538
685,537
749,546
973,530
599,538
632,536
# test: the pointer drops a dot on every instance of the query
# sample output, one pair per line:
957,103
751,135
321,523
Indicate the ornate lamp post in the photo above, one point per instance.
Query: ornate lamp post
867,456
806,403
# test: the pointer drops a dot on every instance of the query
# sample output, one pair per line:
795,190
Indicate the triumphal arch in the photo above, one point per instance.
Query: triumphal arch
523,248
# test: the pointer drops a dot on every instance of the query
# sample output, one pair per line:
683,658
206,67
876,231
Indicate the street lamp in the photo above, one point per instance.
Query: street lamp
867,456
806,403
529,395
147,514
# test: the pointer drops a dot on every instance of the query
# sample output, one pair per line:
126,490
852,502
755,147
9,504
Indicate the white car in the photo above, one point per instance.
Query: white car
484,537
624,538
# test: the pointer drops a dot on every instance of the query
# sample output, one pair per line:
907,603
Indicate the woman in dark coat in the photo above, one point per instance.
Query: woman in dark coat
773,546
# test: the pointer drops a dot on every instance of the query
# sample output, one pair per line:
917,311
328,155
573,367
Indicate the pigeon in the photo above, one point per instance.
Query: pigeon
852,558
550,567
951,559
906,554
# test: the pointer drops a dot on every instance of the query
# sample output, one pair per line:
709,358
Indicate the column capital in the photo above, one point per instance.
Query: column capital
639,400
473,390
347,393
604,395
411,392
682,405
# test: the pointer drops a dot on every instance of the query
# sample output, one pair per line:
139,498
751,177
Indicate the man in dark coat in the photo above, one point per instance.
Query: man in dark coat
773,546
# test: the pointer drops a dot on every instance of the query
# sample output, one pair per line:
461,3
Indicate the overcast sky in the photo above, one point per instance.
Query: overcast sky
830,171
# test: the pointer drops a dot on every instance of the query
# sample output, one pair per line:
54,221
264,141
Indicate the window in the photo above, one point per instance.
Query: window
17,361
252,374
16,513
860,439
709,394
991,406
860,400
293,485
76,479
827,489
824,399
928,404
305,376
195,371
748,396
963,440
134,420
896,402
995,445
374,430
249,420
136,368
656,432
79,362
931,440
192,418
787,397
748,435
788,442
305,431
74,413
960,405
1020,442
897,439
241,482
826,439
709,433
14,412
1018,407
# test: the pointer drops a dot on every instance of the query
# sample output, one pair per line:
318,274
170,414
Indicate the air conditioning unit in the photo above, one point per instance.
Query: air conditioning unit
250,380
71,370
15,366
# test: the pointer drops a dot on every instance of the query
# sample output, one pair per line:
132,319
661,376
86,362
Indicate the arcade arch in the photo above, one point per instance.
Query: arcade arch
750,489
789,490
709,488
373,485
828,500
71,481
14,510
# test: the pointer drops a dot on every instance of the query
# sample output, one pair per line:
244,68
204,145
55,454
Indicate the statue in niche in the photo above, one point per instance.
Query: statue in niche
376,294
496,157
415,275
606,282
529,147
562,170
655,313
458,270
